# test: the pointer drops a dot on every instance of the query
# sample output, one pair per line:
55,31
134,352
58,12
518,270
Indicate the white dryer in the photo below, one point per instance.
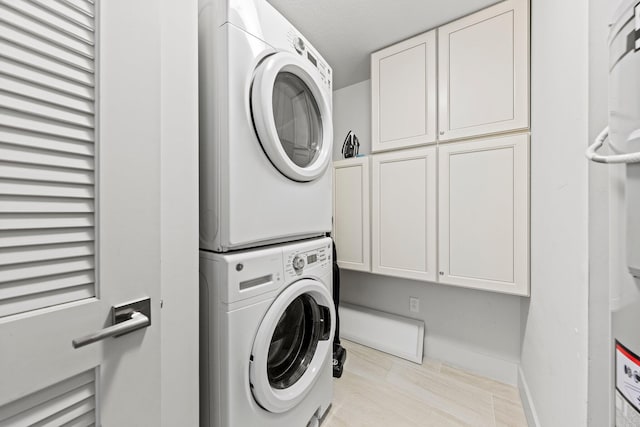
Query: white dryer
265,128
266,335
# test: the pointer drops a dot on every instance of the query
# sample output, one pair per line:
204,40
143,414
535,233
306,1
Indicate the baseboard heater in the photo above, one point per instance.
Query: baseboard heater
396,335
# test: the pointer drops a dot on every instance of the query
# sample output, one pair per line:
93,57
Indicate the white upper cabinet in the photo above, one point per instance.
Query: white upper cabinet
484,214
403,94
403,212
483,74
351,213
457,212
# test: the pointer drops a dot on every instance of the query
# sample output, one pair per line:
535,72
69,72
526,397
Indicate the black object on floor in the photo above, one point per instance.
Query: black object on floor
339,353
339,356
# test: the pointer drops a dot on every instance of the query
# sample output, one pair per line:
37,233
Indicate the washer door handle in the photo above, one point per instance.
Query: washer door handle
325,319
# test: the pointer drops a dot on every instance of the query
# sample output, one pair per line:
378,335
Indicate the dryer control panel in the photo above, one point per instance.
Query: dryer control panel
307,260
310,54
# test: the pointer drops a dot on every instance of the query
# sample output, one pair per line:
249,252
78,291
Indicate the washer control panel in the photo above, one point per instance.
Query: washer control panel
298,262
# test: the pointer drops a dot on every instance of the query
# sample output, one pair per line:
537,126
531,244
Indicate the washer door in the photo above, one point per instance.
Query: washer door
292,346
292,116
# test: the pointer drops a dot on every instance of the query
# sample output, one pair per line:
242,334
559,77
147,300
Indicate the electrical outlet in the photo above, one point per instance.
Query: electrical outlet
414,305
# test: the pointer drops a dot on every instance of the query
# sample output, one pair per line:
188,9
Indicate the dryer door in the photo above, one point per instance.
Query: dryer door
293,345
292,116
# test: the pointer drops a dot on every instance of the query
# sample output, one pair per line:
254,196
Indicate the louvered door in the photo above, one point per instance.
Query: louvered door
79,209
47,148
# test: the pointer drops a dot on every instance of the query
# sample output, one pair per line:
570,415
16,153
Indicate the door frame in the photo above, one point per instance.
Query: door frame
179,213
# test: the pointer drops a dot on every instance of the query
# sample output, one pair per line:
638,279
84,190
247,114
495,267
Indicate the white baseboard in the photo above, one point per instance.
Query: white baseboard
468,358
527,402
397,335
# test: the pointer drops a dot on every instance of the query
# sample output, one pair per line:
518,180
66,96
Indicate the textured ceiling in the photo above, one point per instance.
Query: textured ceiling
345,32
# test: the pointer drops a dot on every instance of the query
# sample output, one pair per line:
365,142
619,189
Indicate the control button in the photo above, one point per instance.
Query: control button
298,44
298,263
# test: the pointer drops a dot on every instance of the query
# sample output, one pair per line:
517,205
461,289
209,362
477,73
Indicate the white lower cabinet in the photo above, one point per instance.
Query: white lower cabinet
403,213
351,213
484,214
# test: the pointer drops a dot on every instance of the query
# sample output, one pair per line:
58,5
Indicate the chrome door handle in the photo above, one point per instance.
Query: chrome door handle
125,318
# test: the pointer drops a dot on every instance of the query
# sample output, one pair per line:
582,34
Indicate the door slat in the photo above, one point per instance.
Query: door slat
15,238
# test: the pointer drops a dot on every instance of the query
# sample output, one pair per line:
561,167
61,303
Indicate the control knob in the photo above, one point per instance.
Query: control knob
298,44
298,263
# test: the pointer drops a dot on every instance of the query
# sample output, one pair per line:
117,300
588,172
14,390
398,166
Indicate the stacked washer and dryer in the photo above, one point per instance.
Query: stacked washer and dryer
266,310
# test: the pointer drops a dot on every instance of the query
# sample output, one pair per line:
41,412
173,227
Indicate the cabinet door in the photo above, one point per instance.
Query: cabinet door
484,214
351,213
484,72
403,94
403,213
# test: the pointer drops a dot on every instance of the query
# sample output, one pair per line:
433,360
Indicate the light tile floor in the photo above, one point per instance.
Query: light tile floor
377,389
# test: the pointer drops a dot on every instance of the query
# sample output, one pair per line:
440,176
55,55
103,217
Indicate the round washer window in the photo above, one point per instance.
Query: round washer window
294,342
292,347
297,119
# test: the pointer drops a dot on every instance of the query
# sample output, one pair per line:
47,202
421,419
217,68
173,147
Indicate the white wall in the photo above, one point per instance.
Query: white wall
599,407
478,331
554,362
352,111
179,213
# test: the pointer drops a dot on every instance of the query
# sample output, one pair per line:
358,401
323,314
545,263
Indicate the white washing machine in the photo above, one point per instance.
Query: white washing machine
266,336
265,128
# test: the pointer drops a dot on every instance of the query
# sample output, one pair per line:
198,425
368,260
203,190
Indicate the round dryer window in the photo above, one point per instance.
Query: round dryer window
292,346
297,119
292,116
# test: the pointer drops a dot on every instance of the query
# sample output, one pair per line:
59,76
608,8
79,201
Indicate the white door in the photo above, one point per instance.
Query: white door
79,210
403,213
483,72
484,214
292,116
351,213
403,94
